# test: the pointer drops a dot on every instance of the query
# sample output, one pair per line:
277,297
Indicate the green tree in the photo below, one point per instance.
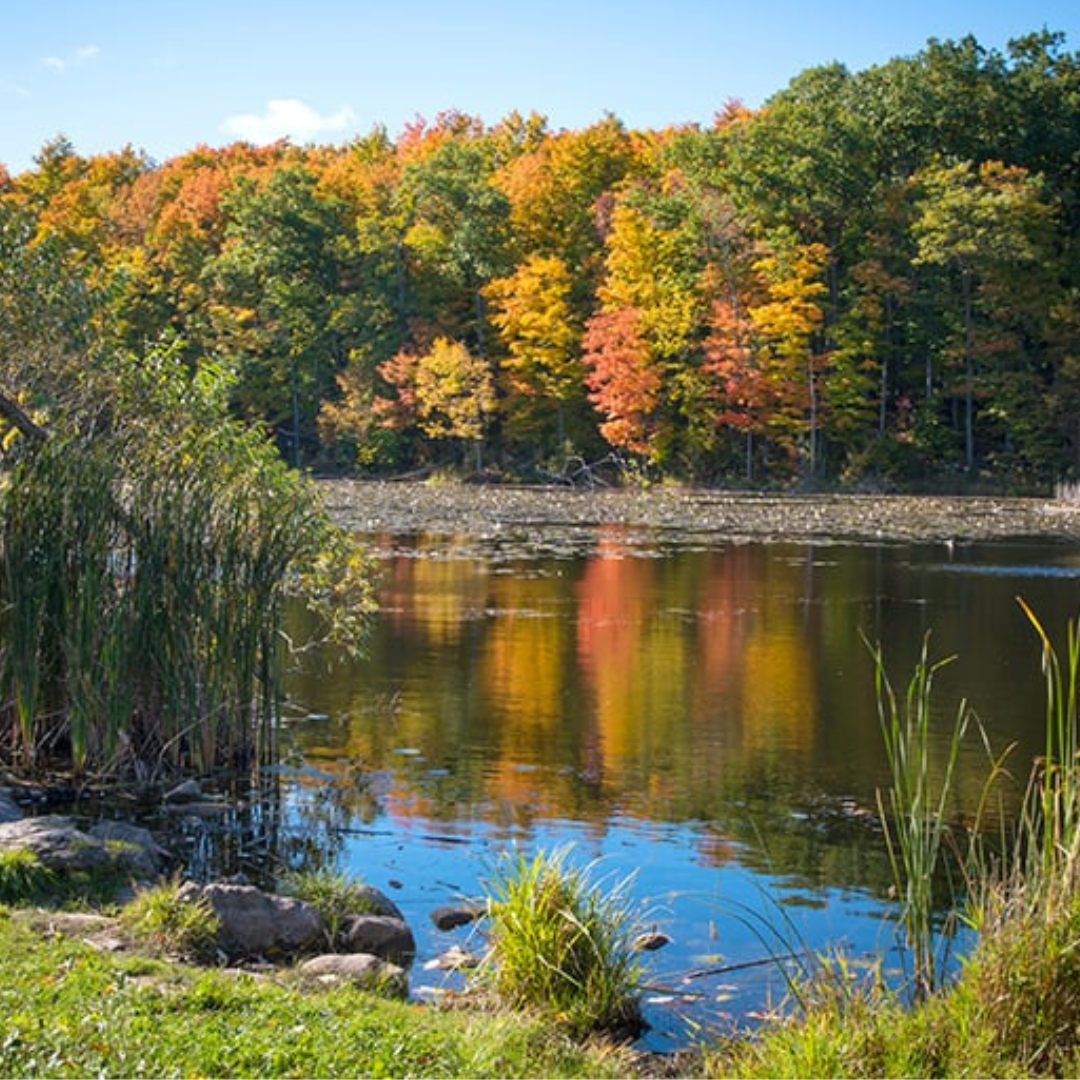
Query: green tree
987,227
278,307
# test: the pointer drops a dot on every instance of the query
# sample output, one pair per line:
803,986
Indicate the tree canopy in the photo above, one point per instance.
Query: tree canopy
875,277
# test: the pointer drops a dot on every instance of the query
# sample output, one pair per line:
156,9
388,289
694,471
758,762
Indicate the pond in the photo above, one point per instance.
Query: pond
696,715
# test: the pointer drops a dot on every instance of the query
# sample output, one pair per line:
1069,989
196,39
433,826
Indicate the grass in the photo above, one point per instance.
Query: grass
562,944
23,876
335,897
72,1011
162,919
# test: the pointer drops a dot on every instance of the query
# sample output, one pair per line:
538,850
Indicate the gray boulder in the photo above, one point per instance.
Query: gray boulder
372,901
9,809
359,969
132,843
379,935
58,845
66,849
254,923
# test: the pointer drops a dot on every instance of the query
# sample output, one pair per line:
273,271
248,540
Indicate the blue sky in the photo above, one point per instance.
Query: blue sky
165,76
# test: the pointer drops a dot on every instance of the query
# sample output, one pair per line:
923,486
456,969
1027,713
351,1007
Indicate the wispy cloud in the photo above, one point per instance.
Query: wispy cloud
84,54
287,118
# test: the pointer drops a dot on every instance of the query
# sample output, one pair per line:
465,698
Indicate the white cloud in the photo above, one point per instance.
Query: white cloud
287,118
82,55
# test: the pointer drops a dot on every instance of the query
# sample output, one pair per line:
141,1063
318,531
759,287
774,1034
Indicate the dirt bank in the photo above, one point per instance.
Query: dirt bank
515,514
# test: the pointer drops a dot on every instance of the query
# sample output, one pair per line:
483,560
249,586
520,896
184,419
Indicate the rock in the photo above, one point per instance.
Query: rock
108,848
372,901
58,844
454,959
9,809
254,923
361,969
451,916
203,808
145,853
379,935
188,791
651,941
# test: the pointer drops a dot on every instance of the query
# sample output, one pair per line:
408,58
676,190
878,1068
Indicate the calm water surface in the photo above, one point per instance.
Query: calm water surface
700,717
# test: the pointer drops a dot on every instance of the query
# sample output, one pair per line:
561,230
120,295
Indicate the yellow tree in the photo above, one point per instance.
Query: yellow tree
543,373
785,324
454,393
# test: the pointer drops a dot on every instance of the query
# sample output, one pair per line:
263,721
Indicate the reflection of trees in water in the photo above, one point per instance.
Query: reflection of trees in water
726,688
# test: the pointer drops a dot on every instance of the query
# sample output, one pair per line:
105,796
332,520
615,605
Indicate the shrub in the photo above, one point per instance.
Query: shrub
334,896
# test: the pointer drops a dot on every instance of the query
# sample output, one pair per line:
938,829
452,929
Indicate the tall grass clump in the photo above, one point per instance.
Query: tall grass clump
914,812
145,560
1025,979
562,944
168,922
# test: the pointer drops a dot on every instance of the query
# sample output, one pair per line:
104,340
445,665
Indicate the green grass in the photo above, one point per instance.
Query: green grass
562,944
166,922
23,876
333,895
71,1011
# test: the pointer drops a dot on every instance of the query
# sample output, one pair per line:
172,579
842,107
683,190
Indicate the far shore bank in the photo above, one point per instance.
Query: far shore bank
509,512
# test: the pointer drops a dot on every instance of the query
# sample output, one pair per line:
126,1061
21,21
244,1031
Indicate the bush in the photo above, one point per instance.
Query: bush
24,877
333,896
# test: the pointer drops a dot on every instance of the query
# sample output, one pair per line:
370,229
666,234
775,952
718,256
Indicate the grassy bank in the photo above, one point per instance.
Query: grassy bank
72,1010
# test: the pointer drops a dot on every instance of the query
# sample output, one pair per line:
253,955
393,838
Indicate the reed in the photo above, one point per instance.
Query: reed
914,812
143,575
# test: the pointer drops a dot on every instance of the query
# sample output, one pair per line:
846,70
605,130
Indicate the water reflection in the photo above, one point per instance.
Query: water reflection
704,717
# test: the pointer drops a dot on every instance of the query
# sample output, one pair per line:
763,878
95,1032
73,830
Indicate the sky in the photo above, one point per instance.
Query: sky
165,76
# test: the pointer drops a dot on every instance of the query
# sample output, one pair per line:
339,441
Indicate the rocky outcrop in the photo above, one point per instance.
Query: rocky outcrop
65,849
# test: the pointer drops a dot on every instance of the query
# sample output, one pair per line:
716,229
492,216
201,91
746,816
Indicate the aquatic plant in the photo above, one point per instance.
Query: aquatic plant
143,575
914,812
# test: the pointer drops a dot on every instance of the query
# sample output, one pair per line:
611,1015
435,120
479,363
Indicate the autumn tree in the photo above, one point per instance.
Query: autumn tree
542,371
785,323
624,382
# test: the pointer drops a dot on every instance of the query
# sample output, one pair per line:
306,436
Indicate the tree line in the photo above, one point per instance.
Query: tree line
874,278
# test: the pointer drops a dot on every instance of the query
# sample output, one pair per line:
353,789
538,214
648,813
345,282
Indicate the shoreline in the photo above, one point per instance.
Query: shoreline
513,512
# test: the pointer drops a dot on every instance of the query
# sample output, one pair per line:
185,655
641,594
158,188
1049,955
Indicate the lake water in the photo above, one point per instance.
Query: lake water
699,716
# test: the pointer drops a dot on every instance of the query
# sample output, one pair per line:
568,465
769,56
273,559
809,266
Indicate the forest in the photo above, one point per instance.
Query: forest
872,280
